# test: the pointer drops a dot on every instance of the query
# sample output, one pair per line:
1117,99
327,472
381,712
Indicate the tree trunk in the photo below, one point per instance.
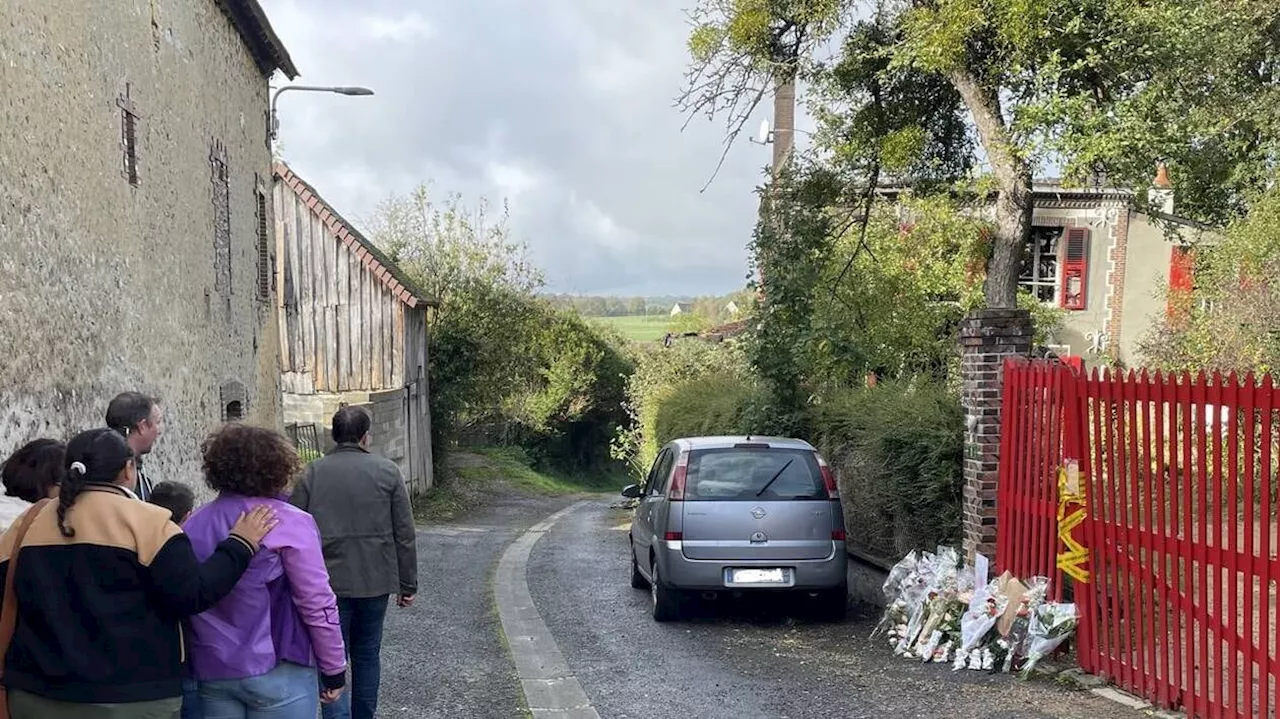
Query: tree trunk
1013,199
784,116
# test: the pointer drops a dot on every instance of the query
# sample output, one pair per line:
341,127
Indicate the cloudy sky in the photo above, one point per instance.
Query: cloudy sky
563,107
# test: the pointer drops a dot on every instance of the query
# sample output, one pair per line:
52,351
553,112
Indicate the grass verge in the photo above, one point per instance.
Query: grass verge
476,475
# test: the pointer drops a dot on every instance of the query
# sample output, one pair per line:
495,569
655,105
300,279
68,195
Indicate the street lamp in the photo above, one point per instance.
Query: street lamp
340,90
765,135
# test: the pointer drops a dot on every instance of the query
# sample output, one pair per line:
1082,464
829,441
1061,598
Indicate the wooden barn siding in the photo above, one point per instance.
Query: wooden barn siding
343,330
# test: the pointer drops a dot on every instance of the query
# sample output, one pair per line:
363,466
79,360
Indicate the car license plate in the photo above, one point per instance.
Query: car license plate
758,576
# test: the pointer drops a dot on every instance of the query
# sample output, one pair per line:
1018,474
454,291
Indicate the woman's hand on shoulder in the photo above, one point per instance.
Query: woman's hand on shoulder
255,524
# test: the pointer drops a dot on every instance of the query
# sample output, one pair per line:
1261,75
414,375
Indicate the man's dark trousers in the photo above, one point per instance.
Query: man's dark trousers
362,621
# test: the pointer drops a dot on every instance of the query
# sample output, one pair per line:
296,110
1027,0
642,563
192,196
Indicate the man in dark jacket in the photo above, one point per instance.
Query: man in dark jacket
361,506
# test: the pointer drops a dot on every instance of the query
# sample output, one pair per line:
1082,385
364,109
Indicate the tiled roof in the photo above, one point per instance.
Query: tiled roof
378,263
252,24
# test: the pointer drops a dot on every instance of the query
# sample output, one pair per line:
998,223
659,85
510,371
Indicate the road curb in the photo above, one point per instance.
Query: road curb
550,688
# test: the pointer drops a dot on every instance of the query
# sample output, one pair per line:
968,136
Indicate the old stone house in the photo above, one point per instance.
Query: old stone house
134,176
352,330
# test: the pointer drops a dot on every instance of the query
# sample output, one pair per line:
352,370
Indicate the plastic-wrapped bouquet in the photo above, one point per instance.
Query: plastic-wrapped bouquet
897,612
981,618
1051,624
899,574
1028,605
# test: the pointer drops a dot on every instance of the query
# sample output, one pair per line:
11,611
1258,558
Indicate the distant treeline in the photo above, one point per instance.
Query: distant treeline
712,307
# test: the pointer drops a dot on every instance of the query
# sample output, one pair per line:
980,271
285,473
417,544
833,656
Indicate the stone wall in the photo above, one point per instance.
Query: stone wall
388,435
987,339
318,409
108,285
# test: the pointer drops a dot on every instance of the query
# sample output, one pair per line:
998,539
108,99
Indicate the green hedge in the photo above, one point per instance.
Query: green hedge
896,448
714,405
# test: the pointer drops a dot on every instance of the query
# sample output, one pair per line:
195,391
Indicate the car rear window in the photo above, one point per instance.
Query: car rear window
753,474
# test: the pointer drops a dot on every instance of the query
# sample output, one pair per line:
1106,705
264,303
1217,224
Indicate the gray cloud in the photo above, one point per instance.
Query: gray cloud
564,107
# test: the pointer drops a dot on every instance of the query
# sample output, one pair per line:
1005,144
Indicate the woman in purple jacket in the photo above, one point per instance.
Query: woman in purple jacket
256,652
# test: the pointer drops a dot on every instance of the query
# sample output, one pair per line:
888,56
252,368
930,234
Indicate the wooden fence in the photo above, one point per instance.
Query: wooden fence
1181,482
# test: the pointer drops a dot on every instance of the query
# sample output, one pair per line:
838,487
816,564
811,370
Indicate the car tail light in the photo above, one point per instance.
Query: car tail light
829,479
675,493
673,536
837,535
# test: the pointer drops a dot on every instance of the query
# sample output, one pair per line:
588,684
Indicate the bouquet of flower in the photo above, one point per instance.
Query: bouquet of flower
911,632
984,611
930,634
1050,625
1028,604
897,610
899,574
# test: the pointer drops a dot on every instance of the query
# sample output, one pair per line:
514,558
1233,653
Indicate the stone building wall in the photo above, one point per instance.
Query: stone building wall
107,284
388,434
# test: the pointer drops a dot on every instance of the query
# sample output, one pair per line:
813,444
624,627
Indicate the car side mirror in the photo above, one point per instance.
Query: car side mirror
632,491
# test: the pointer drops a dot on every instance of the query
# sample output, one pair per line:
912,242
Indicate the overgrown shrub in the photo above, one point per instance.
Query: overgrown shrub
898,450
506,366
714,405
658,372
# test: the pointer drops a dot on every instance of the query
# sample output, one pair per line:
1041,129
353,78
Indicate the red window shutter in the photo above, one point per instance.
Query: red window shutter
1181,282
1075,269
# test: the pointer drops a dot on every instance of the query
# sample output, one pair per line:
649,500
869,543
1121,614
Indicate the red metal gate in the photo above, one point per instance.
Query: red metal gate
1182,483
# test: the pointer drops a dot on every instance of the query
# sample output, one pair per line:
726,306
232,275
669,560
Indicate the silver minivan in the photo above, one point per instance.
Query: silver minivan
738,514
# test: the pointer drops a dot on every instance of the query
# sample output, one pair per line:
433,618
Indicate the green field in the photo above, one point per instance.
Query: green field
639,328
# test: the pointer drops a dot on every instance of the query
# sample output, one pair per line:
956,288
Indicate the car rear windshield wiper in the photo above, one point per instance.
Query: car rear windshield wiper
775,476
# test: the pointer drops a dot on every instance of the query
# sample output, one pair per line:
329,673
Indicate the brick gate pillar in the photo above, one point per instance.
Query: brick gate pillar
987,338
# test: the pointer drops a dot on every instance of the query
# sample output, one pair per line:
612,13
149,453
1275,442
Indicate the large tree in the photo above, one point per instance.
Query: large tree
1103,86
1095,87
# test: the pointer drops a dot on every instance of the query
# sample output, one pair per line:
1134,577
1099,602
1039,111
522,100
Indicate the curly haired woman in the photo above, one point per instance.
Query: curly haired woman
101,583
256,653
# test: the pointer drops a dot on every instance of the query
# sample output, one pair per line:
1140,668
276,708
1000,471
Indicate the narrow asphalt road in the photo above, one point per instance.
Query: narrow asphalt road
445,656
745,659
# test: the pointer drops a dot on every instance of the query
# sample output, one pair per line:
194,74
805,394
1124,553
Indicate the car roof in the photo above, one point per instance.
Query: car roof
726,442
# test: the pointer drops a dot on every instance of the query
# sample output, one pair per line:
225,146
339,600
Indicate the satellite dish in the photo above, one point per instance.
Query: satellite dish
763,137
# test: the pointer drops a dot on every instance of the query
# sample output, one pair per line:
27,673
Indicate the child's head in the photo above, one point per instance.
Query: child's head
175,497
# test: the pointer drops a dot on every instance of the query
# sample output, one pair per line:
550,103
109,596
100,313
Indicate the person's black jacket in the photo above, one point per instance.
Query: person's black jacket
99,614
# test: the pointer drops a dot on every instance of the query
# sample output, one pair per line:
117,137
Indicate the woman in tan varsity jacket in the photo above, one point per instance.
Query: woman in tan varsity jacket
102,582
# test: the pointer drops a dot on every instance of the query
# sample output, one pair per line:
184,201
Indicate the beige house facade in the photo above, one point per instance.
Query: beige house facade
1106,265
135,172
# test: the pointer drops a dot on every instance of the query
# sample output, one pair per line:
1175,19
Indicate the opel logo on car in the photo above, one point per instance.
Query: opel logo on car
758,513
758,537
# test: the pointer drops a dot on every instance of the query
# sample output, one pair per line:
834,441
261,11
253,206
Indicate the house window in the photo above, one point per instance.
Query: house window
221,179
129,135
1055,266
1040,263
233,399
266,269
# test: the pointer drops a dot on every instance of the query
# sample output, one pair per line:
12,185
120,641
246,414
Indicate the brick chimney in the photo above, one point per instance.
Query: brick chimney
1160,196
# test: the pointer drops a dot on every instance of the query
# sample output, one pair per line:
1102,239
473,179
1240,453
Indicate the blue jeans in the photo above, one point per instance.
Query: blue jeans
290,691
362,621
191,699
